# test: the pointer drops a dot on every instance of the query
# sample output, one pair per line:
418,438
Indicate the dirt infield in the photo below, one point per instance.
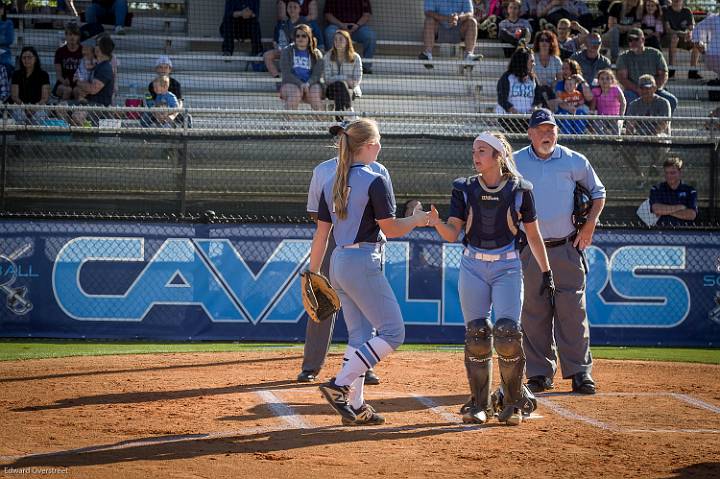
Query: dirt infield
242,415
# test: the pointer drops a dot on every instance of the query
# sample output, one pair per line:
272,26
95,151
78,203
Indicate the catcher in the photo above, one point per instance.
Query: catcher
357,204
488,208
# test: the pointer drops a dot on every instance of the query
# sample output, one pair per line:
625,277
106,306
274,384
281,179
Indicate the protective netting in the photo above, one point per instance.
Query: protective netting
218,49
259,163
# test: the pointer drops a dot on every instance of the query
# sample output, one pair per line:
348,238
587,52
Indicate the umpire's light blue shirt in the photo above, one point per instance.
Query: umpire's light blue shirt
553,182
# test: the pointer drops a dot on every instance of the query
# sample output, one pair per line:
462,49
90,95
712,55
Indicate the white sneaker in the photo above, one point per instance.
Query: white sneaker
474,415
472,57
119,30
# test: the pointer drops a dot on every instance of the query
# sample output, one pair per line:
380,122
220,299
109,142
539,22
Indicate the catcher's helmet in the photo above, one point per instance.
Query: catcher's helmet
582,202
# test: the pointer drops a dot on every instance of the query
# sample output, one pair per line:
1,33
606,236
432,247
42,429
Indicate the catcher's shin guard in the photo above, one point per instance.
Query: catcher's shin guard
511,358
478,360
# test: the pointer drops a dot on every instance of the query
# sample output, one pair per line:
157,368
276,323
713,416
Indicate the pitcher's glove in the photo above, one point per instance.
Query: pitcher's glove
319,298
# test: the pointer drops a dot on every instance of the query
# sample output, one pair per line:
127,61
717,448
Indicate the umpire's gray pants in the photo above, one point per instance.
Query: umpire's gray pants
319,335
570,330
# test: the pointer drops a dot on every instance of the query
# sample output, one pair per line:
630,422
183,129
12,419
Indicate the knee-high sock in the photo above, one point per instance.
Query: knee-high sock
356,396
362,359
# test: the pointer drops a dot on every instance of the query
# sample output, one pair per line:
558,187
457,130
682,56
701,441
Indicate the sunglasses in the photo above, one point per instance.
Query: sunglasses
301,36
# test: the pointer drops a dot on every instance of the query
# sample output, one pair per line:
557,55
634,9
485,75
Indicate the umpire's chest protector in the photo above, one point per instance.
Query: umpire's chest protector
492,213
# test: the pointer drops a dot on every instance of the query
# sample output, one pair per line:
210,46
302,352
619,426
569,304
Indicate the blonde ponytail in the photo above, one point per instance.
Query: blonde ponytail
340,188
350,139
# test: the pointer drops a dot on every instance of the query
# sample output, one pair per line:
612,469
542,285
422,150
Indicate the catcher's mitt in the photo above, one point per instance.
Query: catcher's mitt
319,298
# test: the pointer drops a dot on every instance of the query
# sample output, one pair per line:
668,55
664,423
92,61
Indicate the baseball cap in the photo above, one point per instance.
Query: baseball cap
646,81
163,60
542,116
636,33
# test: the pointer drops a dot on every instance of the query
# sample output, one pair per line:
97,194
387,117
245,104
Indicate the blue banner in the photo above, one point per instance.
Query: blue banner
240,282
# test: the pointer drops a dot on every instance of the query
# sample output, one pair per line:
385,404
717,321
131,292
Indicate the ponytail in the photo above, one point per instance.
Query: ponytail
341,192
350,139
507,162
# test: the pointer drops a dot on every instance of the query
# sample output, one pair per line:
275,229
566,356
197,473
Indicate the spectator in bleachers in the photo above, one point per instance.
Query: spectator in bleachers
30,86
7,38
674,202
552,11
241,20
706,36
638,61
570,42
590,59
608,100
353,16
84,71
343,72
308,16
517,89
105,11
679,24
449,21
569,68
514,29
572,100
99,90
652,24
623,16
164,98
528,11
301,67
67,60
282,37
649,104
548,66
487,13
163,67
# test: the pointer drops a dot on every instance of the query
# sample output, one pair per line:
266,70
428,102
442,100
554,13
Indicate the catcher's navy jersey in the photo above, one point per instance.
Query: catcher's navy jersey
370,199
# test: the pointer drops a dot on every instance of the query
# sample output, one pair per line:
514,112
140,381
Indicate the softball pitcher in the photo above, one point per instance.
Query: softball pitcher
488,209
358,205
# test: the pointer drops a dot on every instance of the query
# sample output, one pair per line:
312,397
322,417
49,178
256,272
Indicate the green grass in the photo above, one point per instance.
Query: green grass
14,349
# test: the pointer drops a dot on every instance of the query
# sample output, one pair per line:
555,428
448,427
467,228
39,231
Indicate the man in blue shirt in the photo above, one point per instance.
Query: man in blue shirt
672,200
561,326
449,21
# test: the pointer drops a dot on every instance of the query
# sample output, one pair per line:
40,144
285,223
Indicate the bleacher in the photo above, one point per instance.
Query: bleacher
400,83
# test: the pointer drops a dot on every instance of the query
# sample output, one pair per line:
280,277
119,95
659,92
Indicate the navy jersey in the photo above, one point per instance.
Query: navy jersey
370,199
683,195
491,214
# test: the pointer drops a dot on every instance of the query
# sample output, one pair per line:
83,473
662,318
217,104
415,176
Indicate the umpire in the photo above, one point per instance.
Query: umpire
560,327
319,335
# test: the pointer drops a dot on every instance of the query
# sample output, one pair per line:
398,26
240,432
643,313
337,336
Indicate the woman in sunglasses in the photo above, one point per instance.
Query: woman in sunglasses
301,68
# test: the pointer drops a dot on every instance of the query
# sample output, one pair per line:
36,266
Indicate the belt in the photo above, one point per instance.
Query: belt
358,245
490,257
560,242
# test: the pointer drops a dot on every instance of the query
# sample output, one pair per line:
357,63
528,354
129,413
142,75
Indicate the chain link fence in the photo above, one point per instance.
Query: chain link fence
259,163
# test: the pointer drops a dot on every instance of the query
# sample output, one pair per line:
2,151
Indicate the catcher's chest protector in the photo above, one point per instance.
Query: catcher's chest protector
493,217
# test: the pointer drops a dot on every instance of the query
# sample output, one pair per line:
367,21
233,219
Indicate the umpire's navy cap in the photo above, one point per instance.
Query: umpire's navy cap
542,116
